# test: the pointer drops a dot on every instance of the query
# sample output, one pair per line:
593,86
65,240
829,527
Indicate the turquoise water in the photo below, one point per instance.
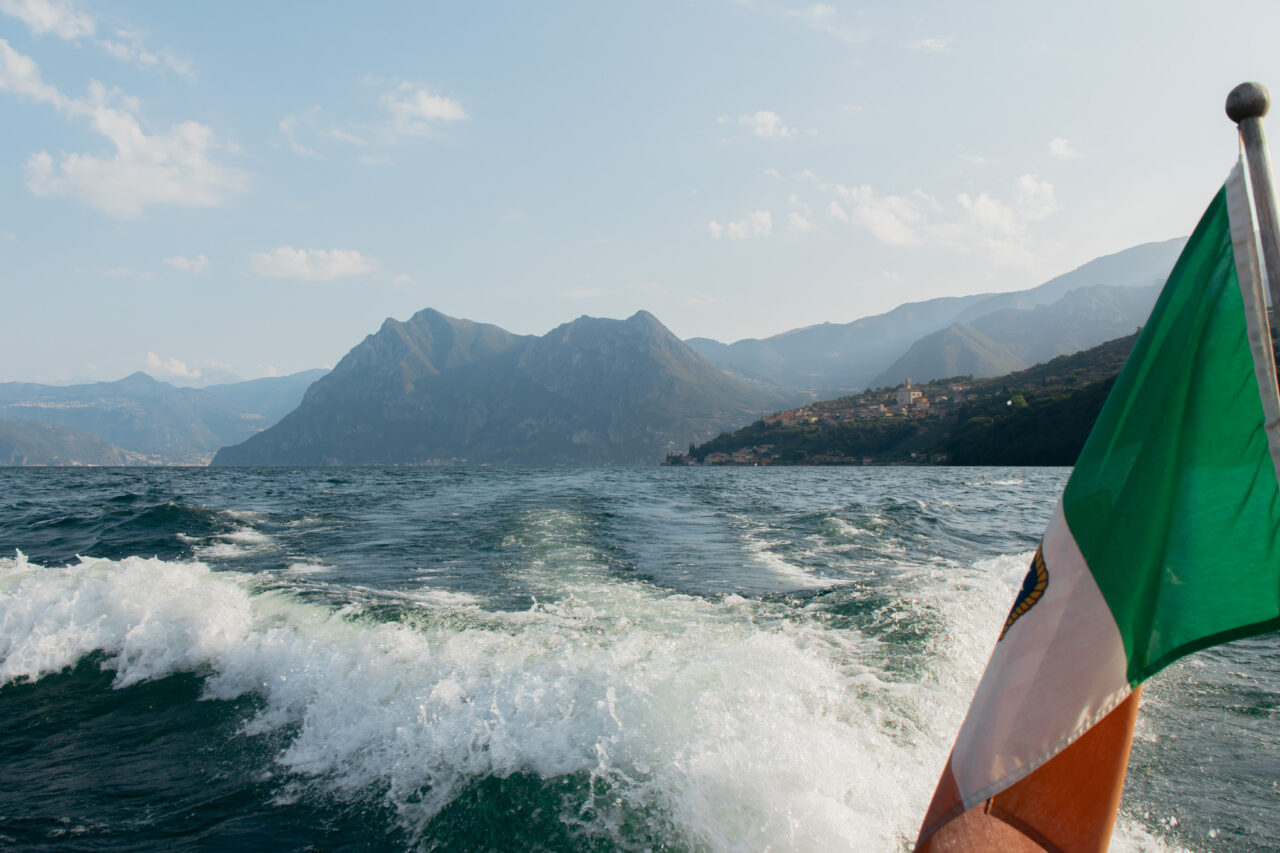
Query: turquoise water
545,659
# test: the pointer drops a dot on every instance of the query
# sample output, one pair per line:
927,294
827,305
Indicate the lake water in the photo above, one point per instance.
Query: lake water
546,659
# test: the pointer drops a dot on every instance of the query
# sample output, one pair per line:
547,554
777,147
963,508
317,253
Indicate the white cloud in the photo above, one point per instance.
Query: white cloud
798,223
703,300
988,214
1063,149
1036,198
758,223
311,264
407,110
169,368
130,48
199,265
288,126
931,45
63,20
125,52
895,220
339,135
20,75
766,124
49,17
773,173
414,111
174,167
7,237
821,16
983,223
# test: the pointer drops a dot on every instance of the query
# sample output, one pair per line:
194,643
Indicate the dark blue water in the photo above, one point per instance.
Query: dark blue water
479,659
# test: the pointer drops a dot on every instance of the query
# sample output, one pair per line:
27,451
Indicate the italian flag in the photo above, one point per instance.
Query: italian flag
1166,540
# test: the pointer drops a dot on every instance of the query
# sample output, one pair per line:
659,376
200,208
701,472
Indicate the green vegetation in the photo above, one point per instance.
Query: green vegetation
1049,429
802,445
1038,416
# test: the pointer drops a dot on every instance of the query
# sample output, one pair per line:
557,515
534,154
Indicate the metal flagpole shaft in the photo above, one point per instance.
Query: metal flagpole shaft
1246,105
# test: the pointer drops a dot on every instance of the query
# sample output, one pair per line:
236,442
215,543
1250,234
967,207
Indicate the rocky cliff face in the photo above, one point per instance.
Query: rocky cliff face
436,389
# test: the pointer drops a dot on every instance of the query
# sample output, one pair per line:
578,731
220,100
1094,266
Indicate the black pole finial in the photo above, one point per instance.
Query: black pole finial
1248,100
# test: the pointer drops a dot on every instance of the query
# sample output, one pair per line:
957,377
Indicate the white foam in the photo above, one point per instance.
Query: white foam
445,598
793,575
763,554
742,725
303,567
247,536
841,529
242,514
151,617
1132,836
242,542
1010,569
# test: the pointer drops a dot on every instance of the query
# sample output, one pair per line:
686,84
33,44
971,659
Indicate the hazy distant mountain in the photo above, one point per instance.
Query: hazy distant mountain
31,443
273,397
836,358
438,389
167,425
1015,338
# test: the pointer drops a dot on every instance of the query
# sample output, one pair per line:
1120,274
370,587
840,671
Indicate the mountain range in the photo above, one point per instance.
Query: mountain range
33,443
438,390
1012,339
147,421
983,335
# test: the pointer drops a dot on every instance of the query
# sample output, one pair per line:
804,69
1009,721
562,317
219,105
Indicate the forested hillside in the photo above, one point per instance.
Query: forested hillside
1038,416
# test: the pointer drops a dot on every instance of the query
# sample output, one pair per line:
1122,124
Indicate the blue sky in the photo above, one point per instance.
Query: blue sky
200,190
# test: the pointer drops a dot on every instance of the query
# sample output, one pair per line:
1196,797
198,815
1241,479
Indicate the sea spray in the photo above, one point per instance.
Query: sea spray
730,724
151,618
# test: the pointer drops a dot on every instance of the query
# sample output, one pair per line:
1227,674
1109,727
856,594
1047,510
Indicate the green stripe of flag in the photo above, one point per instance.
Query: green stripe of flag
1174,501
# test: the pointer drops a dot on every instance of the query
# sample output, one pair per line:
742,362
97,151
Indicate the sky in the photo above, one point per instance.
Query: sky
244,189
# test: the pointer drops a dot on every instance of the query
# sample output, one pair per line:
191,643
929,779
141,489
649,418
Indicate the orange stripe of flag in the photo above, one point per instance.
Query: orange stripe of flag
1068,804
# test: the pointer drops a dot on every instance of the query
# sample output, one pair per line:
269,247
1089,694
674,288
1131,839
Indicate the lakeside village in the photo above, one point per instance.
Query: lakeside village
883,405
1037,416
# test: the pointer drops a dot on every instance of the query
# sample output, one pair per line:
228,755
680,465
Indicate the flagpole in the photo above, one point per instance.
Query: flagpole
1246,105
